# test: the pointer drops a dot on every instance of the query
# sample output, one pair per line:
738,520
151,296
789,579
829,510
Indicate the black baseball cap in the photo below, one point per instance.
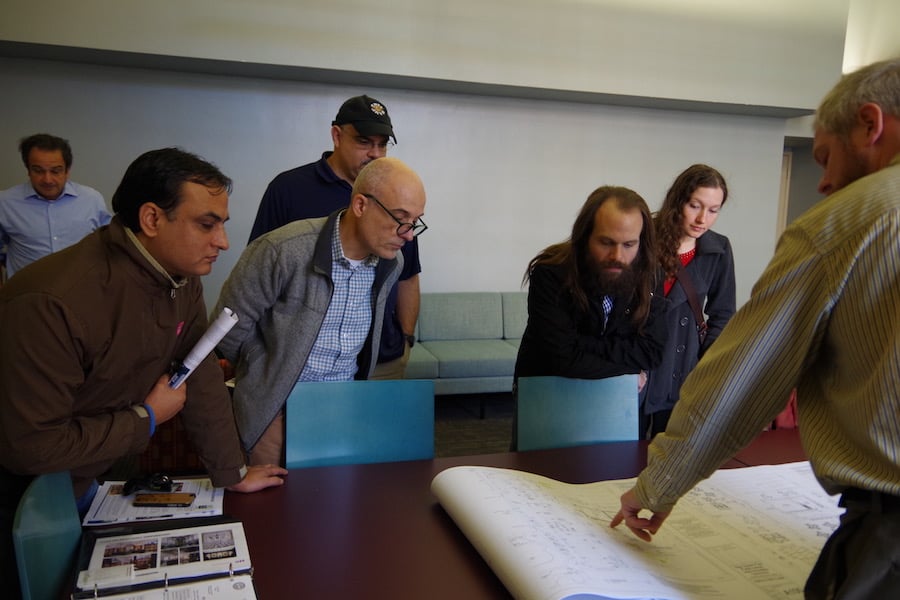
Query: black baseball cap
367,115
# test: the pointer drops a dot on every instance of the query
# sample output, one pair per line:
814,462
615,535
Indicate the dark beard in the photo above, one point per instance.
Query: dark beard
603,284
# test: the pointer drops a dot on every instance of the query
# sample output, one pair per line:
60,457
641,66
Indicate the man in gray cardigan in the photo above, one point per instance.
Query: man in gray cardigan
310,299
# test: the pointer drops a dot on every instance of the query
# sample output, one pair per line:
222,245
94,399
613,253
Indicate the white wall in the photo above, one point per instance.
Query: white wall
871,32
504,177
766,52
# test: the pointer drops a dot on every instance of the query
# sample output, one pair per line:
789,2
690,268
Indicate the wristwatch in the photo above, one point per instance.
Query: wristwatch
411,340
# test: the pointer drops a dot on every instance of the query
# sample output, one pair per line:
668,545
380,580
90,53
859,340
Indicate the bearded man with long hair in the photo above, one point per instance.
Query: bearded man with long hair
608,260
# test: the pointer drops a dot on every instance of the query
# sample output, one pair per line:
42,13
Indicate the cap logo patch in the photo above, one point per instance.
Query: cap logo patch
377,108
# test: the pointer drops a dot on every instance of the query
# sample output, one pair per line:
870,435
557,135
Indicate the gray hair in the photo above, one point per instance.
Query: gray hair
878,83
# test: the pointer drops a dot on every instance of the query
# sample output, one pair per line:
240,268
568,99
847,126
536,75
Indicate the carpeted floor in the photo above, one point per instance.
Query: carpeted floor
459,429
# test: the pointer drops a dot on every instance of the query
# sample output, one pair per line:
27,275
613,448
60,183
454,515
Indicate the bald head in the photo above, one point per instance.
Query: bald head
388,196
383,174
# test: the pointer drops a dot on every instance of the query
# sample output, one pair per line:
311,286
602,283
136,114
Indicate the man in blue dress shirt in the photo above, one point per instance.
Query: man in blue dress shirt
49,212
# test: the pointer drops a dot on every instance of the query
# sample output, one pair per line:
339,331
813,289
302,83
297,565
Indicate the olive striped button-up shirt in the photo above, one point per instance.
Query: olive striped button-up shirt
824,317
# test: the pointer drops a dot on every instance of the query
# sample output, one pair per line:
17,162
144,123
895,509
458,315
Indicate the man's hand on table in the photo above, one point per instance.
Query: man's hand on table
260,477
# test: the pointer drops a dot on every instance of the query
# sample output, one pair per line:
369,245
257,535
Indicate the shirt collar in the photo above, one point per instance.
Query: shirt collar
68,190
180,282
337,251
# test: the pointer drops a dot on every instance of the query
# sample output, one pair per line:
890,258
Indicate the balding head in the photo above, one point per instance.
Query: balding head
387,195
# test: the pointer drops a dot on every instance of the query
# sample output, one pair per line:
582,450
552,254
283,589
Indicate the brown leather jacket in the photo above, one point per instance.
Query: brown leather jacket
84,335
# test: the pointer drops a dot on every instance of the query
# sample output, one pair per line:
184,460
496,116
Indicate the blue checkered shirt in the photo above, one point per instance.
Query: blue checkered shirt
348,319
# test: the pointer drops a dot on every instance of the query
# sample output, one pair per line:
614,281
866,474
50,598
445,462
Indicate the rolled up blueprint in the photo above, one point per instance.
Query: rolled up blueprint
219,328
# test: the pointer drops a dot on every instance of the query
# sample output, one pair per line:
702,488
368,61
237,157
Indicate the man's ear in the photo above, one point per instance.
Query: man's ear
335,135
149,216
872,119
358,204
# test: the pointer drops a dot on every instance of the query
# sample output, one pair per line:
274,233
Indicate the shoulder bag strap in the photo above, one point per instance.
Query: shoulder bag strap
685,279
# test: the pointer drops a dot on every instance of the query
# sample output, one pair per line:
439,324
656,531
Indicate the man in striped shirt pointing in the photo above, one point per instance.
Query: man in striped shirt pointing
824,317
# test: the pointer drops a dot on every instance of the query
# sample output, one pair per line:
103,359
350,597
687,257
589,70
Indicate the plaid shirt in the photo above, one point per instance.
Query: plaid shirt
348,319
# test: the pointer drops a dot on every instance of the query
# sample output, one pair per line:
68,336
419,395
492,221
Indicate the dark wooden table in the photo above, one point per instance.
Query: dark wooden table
773,448
376,531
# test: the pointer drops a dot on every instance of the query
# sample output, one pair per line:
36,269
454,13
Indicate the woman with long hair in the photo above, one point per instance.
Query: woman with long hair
697,269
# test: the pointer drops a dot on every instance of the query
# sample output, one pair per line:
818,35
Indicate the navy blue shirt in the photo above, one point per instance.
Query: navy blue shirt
314,190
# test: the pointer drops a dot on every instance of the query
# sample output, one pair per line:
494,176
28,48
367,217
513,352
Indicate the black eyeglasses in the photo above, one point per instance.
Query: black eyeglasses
370,144
365,142
416,227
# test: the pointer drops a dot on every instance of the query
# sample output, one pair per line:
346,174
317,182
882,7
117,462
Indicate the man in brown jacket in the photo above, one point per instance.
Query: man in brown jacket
88,336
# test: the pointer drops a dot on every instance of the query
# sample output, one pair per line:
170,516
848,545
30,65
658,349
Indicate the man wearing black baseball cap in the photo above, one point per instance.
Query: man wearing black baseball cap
361,132
367,115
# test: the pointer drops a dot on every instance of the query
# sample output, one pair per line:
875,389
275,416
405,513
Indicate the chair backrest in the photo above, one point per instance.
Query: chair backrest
346,422
46,536
555,412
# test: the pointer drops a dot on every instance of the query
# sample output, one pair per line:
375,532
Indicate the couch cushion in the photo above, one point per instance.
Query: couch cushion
460,316
515,314
472,358
422,364
515,343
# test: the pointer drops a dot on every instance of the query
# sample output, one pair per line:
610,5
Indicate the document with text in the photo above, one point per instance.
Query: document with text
112,506
750,533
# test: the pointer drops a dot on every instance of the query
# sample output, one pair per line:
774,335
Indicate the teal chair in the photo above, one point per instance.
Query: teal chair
46,536
556,412
347,422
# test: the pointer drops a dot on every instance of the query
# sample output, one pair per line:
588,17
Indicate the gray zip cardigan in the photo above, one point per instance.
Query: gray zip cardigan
280,290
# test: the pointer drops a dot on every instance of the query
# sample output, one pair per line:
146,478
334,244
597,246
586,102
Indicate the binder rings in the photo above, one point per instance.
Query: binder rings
191,558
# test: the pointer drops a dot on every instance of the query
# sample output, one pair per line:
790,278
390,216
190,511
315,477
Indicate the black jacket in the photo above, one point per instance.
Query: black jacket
712,274
561,340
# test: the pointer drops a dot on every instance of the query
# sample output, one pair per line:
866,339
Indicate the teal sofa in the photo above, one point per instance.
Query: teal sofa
467,342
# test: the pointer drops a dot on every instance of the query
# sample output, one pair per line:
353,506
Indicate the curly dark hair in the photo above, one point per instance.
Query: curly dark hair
669,219
47,143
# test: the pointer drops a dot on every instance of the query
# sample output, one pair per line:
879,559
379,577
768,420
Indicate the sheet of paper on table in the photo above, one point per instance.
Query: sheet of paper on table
110,506
751,533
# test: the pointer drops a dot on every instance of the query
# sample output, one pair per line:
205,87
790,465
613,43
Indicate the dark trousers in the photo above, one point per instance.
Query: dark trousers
653,423
861,559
